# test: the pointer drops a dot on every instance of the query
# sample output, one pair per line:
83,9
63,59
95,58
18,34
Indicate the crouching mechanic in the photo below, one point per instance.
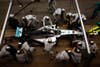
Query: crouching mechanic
25,53
12,50
63,56
46,21
21,56
79,44
76,21
59,16
93,48
26,46
76,17
73,55
89,57
69,19
3,51
9,52
29,21
76,56
49,43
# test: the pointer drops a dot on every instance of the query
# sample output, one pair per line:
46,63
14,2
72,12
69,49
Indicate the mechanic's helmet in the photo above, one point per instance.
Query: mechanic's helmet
77,50
83,18
91,42
18,51
49,40
46,17
79,43
69,14
98,23
7,48
29,16
69,51
11,15
73,15
19,43
23,17
95,32
63,10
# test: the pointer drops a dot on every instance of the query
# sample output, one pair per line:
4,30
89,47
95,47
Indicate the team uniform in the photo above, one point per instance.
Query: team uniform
93,47
3,51
47,20
29,21
49,43
52,5
59,16
77,56
79,44
21,56
76,17
26,46
26,54
76,24
63,55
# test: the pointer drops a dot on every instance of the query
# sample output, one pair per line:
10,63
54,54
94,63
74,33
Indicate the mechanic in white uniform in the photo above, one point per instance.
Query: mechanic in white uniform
69,19
63,56
30,20
21,56
27,47
58,12
95,33
52,5
76,24
77,56
79,44
46,20
59,16
3,51
93,47
76,17
49,43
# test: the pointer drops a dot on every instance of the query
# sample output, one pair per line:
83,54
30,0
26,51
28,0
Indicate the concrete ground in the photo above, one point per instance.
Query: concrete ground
40,10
